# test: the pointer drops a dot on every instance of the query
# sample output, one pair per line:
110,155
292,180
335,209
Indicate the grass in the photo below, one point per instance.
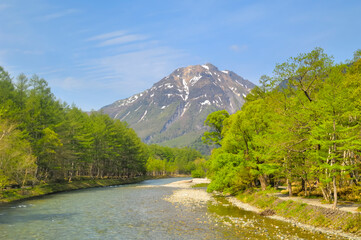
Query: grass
200,185
11,195
304,213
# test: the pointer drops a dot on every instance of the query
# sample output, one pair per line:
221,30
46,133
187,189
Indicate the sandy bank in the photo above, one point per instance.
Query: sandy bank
186,195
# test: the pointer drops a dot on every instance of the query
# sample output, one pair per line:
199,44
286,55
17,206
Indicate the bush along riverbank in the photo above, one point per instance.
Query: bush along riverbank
300,212
14,194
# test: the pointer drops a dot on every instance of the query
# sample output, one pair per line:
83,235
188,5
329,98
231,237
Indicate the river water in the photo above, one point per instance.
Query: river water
136,211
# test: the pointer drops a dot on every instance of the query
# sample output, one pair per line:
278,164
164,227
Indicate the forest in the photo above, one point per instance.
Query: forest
43,139
301,127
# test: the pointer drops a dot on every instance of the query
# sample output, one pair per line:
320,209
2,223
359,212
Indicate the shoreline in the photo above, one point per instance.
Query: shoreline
21,194
249,207
186,195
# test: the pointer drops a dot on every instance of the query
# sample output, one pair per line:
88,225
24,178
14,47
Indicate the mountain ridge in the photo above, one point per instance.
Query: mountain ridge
176,106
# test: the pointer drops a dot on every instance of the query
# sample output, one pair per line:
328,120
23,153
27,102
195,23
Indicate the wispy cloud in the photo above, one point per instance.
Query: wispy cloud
32,52
123,39
237,48
49,71
2,57
4,6
138,66
5,63
117,38
107,35
131,63
134,71
59,14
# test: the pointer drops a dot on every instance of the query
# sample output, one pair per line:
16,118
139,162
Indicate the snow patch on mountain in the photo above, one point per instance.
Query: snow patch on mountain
205,67
185,108
186,89
184,93
206,102
195,79
142,118
126,115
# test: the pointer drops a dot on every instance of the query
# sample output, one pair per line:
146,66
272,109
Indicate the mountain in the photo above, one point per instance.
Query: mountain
173,111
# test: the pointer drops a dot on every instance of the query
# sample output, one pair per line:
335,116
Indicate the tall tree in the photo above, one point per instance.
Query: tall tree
215,122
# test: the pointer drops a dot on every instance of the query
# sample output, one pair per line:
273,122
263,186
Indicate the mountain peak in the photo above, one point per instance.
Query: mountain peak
195,69
210,67
174,109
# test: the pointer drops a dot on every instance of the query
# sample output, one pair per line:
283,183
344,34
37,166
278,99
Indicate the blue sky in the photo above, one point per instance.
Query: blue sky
93,53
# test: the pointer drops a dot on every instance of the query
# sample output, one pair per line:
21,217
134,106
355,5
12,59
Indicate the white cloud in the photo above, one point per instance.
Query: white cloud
77,83
49,71
123,39
118,37
131,63
107,35
72,83
5,63
59,14
125,73
237,48
139,66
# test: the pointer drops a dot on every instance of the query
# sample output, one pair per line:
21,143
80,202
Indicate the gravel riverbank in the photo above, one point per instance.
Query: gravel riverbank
249,207
186,195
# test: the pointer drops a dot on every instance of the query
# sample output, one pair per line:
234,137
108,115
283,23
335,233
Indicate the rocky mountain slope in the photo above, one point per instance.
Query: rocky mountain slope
172,112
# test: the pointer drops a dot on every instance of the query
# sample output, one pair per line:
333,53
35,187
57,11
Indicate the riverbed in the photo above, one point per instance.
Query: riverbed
148,210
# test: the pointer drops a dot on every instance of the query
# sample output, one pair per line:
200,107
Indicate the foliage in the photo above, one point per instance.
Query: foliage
14,194
45,140
215,122
200,185
170,161
200,168
17,163
304,213
302,125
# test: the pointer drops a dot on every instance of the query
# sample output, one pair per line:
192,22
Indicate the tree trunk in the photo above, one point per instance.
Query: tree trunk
333,161
334,193
326,193
98,172
24,180
263,182
304,186
71,172
289,187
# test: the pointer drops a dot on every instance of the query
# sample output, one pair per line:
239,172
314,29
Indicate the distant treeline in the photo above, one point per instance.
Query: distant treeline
169,161
301,126
43,139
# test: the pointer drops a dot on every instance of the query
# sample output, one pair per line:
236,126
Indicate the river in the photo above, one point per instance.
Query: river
137,211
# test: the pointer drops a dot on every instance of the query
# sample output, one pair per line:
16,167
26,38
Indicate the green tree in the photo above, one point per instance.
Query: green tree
215,122
337,129
17,163
305,72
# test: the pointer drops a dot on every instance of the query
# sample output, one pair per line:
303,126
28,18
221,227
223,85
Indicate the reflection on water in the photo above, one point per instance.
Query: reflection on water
130,212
